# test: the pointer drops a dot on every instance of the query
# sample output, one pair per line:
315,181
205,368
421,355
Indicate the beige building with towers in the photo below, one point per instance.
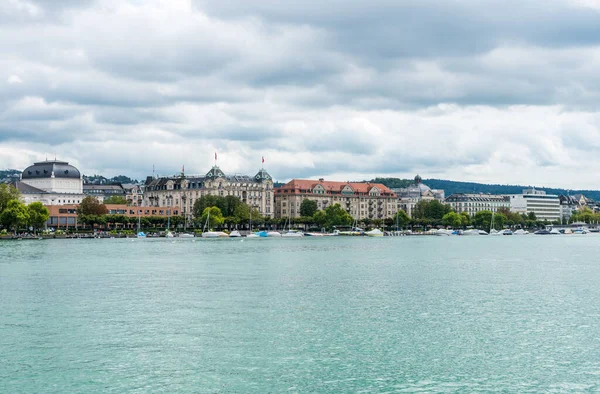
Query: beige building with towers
183,191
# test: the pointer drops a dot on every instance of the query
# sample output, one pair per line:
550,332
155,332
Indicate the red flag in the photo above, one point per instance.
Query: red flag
263,160
215,155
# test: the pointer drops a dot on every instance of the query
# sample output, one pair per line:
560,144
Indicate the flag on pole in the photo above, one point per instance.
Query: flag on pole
263,160
183,168
215,156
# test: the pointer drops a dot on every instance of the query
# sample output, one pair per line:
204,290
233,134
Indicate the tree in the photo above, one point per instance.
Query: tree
91,206
308,207
38,215
115,200
466,218
208,201
483,220
320,218
14,215
337,216
8,193
452,219
531,216
433,210
215,219
401,218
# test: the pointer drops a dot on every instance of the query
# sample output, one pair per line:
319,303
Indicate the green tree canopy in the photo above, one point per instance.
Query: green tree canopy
115,200
337,216
401,218
8,193
483,220
14,215
91,206
466,218
38,214
433,210
215,218
308,207
453,219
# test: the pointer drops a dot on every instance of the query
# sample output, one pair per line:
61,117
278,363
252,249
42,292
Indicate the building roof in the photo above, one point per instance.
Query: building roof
476,197
49,169
334,187
28,189
103,187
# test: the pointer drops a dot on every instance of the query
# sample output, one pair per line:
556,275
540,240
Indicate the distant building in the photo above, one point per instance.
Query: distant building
183,191
51,183
361,200
473,203
134,194
102,192
544,206
408,197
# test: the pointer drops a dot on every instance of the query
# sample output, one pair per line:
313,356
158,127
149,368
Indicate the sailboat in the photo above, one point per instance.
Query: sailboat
211,234
493,231
140,233
252,234
292,233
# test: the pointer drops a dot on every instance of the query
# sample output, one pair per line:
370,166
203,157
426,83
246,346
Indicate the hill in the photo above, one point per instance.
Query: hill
451,187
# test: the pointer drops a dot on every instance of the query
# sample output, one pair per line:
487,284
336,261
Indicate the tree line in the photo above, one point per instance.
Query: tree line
16,216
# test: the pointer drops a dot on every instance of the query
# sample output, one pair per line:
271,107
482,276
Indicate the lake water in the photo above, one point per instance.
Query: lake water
415,314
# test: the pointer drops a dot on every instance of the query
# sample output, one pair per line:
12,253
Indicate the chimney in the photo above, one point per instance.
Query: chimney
321,179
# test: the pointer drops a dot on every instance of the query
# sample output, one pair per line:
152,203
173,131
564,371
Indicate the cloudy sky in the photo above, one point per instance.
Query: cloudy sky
502,91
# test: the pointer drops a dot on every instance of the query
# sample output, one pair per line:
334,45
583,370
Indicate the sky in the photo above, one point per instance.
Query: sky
494,91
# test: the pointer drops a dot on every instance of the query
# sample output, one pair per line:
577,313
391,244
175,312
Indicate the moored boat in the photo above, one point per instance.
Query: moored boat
235,234
374,233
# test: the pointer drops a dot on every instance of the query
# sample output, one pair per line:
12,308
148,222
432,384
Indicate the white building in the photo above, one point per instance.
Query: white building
544,206
473,203
51,183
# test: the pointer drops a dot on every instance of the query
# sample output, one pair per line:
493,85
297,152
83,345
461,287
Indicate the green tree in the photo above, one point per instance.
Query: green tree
38,215
208,201
433,210
115,200
308,207
320,218
531,216
466,219
401,218
14,215
215,219
91,206
8,193
337,216
452,219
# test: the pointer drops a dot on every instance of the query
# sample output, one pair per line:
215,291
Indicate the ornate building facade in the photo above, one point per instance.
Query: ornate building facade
361,200
183,191
473,203
408,197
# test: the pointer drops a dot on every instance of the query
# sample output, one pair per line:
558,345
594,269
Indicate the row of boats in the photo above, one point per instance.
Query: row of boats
274,234
546,231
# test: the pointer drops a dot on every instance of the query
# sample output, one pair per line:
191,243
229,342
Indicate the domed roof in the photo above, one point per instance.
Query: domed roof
421,186
49,169
262,175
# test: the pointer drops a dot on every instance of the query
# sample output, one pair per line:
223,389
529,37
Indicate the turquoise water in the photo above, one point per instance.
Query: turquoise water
430,314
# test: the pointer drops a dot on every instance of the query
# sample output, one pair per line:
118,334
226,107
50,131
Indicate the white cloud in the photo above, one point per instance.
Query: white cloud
340,90
14,80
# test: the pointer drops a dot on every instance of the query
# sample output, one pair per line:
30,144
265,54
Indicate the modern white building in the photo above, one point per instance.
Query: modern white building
51,183
544,206
473,203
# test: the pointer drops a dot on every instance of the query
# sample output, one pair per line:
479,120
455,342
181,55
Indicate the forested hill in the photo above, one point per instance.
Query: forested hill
9,175
451,187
